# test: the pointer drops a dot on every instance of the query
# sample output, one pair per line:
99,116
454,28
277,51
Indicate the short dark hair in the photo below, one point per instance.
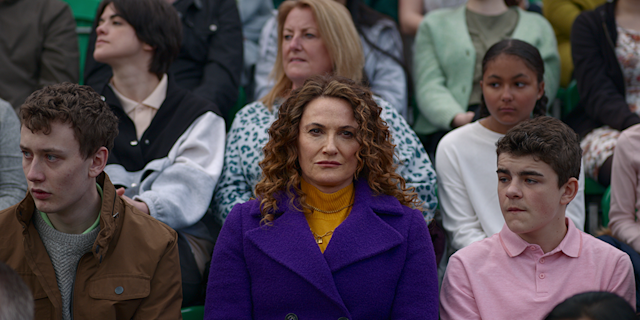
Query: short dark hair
529,55
16,301
593,305
156,23
93,123
547,139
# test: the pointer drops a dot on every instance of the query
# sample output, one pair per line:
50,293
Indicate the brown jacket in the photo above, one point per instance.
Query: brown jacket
132,271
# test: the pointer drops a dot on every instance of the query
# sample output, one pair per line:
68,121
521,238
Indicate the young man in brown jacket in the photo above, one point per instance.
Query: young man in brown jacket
84,252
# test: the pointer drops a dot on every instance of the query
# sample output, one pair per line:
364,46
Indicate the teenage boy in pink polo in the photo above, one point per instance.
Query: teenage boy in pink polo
538,259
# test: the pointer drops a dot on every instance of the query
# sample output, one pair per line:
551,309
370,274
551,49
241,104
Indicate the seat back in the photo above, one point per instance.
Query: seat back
606,205
84,12
570,99
193,313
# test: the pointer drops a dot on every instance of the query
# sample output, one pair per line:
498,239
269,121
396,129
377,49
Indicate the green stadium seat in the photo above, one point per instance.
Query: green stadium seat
388,7
606,205
570,98
193,313
84,12
592,187
240,103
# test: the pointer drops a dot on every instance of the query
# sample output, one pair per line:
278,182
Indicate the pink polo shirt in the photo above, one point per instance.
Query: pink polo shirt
505,277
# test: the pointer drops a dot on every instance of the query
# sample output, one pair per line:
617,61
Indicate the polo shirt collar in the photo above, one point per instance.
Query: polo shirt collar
154,100
571,245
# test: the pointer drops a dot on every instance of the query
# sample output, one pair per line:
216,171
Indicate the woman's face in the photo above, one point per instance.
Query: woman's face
303,51
510,90
116,39
327,144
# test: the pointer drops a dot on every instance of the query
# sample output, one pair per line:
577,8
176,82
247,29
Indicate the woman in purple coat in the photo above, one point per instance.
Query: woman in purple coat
332,233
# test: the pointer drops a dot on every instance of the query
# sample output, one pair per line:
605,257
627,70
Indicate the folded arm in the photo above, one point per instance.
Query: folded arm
624,191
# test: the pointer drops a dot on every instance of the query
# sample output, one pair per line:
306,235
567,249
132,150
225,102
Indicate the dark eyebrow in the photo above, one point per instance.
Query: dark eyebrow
504,171
531,173
315,124
303,29
514,77
47,150
110,17
520,75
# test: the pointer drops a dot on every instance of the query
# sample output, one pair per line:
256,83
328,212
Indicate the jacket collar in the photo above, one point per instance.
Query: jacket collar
362,235
607,14
110,219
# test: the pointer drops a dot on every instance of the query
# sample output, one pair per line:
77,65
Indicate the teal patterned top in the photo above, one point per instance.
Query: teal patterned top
248,135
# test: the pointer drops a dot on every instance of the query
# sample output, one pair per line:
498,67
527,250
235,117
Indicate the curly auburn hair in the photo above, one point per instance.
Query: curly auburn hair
281,172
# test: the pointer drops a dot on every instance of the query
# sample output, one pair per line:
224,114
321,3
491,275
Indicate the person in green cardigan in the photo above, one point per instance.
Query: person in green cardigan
449,48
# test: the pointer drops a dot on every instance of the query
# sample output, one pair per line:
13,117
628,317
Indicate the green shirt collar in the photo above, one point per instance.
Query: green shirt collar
91,228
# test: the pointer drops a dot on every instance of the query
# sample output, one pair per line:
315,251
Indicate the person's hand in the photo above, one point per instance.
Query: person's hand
462,118
140,205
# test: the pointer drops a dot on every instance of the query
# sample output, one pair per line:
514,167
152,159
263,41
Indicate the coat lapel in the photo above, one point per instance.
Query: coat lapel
364,234
289,242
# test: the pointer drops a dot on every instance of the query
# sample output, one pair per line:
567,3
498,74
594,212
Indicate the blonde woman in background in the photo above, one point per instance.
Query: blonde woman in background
315,37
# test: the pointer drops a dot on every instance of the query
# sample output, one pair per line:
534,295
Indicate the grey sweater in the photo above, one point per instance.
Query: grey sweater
65,251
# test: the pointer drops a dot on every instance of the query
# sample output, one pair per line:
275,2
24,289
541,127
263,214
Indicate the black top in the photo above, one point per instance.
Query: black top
176,114
598,73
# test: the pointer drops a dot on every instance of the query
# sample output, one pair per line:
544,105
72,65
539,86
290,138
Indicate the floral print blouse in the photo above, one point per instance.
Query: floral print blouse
628,53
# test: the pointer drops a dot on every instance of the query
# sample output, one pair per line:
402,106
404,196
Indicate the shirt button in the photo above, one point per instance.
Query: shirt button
532,247
146,141
133,185
542,276
119,290
133,143
542,260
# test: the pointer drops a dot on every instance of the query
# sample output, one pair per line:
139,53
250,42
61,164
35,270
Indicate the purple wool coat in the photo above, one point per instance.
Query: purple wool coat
380,264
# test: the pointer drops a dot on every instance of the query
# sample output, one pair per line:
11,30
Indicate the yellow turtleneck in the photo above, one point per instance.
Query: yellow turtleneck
320,222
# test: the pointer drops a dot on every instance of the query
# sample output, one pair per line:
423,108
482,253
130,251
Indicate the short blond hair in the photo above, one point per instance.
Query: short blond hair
339,35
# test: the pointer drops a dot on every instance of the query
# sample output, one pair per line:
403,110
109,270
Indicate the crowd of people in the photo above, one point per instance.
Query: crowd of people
148,189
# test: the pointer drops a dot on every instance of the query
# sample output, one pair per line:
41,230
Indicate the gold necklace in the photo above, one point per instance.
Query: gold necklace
319,237
332,211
